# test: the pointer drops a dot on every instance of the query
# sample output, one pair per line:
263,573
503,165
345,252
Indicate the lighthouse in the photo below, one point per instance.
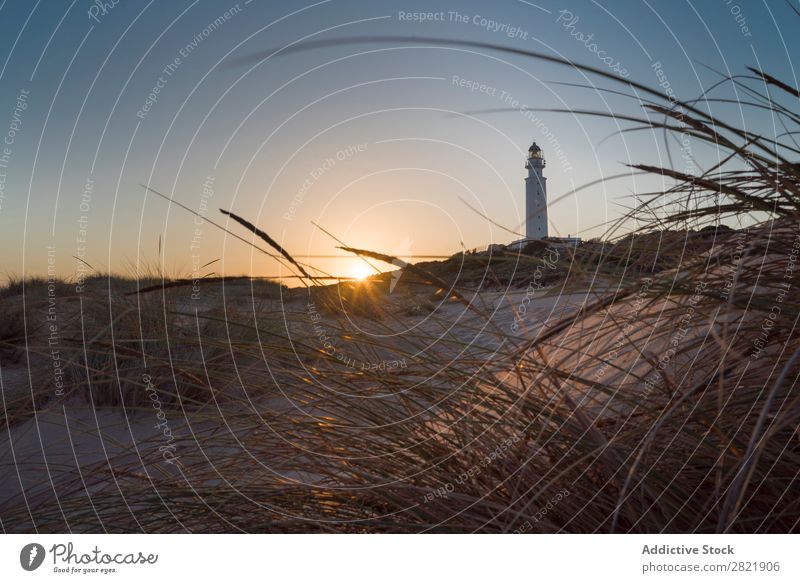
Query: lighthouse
535,195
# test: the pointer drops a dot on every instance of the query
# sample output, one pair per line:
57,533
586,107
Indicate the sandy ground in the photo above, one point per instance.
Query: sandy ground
73,446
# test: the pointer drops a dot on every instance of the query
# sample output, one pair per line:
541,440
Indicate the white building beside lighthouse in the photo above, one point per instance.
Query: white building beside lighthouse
535,195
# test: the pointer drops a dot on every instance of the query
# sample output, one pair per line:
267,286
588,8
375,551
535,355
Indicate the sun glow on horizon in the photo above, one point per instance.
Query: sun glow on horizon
361,271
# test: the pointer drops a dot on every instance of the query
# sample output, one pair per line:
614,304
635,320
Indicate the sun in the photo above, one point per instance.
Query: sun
361,271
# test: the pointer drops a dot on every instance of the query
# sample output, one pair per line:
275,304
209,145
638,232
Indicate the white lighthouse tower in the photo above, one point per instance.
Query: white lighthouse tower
535,195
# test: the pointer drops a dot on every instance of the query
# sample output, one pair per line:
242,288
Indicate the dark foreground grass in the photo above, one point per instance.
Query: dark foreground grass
666,403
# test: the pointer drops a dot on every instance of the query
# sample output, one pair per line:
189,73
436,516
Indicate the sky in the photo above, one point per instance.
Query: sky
384,145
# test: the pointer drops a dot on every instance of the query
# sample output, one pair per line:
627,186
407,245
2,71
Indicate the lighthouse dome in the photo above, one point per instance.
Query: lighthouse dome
535,152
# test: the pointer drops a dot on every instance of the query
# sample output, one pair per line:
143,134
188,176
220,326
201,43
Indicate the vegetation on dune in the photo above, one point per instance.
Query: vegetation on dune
94,345
667,403
630,256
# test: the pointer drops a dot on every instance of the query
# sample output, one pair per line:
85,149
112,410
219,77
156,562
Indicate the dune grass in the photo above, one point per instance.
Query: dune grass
666,403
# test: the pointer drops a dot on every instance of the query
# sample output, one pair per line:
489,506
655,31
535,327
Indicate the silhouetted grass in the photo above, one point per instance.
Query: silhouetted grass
664,402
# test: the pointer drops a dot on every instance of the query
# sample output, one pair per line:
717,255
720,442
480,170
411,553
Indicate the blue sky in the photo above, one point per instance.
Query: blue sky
363,140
